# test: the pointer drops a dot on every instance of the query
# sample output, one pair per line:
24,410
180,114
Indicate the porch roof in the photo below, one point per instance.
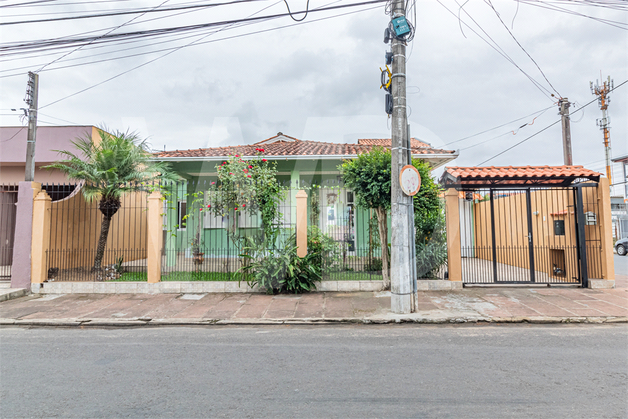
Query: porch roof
283,146
512,176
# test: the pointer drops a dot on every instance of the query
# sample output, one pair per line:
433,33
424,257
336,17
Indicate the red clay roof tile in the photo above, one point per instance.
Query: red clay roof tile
516,174
275,146
520,171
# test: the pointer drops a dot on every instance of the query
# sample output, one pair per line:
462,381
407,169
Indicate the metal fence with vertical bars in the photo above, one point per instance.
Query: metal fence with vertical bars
204,245
530,235
75,231
8,212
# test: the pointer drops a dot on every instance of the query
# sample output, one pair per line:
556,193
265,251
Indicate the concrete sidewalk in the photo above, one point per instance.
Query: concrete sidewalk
497,305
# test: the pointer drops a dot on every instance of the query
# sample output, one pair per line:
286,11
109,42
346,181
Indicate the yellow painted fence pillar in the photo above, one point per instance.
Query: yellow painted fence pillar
454,256
40,237
301,223
606,229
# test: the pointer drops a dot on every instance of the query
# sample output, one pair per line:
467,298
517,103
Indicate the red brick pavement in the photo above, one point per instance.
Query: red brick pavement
481,302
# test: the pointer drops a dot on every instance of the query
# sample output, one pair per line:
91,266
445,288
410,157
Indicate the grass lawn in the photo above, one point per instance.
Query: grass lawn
179,276
222,276
352,276
198,276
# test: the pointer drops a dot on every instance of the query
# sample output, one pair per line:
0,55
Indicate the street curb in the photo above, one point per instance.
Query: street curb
16,293
140,322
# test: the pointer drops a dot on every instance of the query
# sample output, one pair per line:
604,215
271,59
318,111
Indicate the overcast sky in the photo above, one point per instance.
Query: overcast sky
320,80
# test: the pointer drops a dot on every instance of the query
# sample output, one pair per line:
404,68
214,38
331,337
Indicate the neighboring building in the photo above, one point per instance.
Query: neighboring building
12,171
619,213
623,181
49,139
619,204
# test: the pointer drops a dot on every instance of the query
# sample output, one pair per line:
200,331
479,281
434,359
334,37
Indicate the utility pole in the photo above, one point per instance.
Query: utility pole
31,99
603,100
400,261
563,105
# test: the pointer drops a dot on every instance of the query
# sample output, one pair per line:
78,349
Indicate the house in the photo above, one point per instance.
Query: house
49,139
619,206
12,171
300,165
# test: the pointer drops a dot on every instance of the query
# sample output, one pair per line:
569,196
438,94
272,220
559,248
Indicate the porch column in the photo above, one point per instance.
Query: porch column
171,232
452,214
172,213
301,223
40,238
154,238
21,266
295,176
606,236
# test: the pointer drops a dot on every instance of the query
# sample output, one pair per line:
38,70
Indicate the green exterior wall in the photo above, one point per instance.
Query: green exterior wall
297,174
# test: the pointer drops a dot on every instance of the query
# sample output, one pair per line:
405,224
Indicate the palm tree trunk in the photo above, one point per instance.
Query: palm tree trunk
382,224
102,242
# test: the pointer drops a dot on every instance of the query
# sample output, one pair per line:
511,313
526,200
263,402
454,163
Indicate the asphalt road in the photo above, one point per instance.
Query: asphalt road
621,264
323,372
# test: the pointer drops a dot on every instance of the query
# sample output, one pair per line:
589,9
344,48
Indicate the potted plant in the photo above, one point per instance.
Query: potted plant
198,257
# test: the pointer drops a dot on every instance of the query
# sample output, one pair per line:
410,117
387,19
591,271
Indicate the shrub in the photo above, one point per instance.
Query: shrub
431,247
279,270
325,250
373,265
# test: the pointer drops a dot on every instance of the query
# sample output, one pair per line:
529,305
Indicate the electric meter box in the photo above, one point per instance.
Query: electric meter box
400,25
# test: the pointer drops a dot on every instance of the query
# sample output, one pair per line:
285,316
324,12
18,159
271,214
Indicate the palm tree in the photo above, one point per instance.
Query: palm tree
110,168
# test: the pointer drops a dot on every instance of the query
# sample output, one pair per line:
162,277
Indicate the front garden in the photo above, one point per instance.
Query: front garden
241,226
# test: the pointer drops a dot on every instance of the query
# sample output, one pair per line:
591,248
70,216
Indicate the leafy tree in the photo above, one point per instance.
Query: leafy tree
369,177
110,168
429,221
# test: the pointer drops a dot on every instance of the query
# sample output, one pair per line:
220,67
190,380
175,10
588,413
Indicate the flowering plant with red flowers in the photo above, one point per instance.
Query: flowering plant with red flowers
246,186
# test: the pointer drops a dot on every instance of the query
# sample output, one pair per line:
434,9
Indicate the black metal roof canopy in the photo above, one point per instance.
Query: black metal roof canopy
471,178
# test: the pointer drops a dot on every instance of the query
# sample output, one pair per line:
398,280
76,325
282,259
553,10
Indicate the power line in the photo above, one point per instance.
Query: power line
307,6
497,48
117,27
130,12
216,40
547,127
14,135
65,11
158,43
499,126
54,117
41,44
521,46
520,142
39,3
545,5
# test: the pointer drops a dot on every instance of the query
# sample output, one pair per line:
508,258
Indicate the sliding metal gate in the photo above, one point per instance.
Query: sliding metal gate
530,235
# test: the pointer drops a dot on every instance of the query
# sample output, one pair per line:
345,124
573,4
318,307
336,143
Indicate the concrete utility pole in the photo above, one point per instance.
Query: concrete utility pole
400,262
31,99
603,100
563,105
